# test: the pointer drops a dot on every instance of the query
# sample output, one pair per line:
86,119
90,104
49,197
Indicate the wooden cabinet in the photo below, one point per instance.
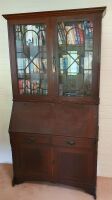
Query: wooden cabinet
55,68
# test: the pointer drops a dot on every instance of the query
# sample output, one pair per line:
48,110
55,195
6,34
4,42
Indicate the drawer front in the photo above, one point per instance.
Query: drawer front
73,142
32,139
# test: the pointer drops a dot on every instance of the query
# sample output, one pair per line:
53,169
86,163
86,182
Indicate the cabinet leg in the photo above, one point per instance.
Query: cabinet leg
15,181
94,196
92,191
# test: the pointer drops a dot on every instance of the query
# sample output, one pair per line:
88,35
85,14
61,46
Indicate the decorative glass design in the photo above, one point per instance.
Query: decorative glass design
31,56
75,55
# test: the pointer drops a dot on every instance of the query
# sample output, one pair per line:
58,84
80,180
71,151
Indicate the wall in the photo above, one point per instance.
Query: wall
105,111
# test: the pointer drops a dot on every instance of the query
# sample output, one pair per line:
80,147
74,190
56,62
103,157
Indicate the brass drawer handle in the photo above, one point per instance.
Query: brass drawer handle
70,142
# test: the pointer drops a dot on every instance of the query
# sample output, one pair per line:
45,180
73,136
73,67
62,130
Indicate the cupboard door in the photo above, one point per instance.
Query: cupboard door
35,162
31,58
74,167
74,50
32,160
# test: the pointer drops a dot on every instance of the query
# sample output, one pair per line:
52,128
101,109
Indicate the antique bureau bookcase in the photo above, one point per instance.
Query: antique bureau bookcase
55,66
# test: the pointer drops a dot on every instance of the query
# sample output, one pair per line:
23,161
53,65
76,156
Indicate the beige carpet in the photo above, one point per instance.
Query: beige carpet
34,191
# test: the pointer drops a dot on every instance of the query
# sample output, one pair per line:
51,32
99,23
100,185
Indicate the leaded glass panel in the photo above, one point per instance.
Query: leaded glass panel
31,54
75,56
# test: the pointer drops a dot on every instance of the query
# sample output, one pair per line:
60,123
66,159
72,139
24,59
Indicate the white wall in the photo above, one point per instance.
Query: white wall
105,115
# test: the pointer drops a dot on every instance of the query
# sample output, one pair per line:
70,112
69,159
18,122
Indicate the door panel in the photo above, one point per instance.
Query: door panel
31,54
74,165
75,62
35,161
75,55
31,58
32,160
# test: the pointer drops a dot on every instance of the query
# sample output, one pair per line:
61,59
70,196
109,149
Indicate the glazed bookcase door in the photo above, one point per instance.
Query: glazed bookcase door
31,59
76,62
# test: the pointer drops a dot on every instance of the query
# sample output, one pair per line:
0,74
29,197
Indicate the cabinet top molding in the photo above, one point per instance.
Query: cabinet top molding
56,13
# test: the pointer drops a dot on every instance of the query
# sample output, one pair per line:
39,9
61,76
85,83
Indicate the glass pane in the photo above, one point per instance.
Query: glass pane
75,55
31,56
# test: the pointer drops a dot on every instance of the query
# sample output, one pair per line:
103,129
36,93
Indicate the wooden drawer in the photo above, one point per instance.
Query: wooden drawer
29,139
73,142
